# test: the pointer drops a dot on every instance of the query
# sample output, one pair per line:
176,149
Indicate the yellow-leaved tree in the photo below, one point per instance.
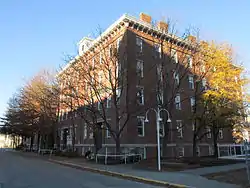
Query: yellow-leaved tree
222,101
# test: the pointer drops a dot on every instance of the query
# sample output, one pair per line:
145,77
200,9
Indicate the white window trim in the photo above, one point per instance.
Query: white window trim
142,89
193,126
118,43
181,150
140,67
179,101
85,131
192,102
93,62
159,72
209,134
139,42
176,78
198,151
160,97
210,150
91,134
143,126
108,102
174,55
191,81
179,129
204,83
108,135
190,61
100,57
99,107
220,134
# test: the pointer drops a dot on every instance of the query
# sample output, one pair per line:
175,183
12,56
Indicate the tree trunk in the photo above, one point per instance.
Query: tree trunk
194,145
38,141
117,145
31,142
215,135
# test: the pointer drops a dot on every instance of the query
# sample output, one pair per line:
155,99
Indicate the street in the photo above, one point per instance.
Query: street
20,172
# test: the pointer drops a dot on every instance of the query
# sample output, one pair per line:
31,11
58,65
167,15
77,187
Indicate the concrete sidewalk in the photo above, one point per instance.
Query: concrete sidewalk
176,179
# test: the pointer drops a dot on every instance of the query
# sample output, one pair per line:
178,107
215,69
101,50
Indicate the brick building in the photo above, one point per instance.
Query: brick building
159,74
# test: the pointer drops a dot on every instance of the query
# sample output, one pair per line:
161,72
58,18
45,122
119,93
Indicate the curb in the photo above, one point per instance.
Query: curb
122,176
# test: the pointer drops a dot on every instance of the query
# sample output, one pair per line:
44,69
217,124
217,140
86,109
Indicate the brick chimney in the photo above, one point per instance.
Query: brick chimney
145,18
163,26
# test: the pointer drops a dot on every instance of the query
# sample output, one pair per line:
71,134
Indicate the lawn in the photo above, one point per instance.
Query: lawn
238,177
179,164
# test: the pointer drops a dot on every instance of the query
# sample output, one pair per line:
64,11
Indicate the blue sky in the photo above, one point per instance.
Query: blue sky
37,34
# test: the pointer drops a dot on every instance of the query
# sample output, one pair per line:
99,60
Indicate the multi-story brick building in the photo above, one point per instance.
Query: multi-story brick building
159,73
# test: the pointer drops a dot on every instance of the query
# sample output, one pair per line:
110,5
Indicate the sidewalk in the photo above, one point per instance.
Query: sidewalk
166,179
177,179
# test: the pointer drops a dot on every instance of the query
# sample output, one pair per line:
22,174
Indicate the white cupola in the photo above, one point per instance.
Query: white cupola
84,45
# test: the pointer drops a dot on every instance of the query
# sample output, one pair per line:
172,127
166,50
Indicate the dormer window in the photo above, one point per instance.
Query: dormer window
84,45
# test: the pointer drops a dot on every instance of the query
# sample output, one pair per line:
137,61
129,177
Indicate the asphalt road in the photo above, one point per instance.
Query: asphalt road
20,172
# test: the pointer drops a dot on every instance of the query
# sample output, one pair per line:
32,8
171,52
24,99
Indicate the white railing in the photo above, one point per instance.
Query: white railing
117,156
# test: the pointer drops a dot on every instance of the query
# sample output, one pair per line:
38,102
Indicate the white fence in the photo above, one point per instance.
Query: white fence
124,157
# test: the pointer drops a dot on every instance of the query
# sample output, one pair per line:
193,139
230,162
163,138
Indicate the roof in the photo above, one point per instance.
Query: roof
125,18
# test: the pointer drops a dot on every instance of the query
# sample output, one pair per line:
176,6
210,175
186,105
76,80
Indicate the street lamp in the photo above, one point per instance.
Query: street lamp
158,119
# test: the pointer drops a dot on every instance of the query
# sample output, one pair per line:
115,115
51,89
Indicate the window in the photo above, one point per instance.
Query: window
139,68
198,151
140,126
108,135
208,131
162,132
111,51
157,50
109,102
159,73
118,95
100,75
159,96
99,105
178,102
93,63
139,43
85,133
174,56
204,83
66,115
118,69
118,43
192,103
176,78
140,95
62,133
220,134
193,125
189,61
181,151
100,58
91,133
210,150
179,128
202,68
191,81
